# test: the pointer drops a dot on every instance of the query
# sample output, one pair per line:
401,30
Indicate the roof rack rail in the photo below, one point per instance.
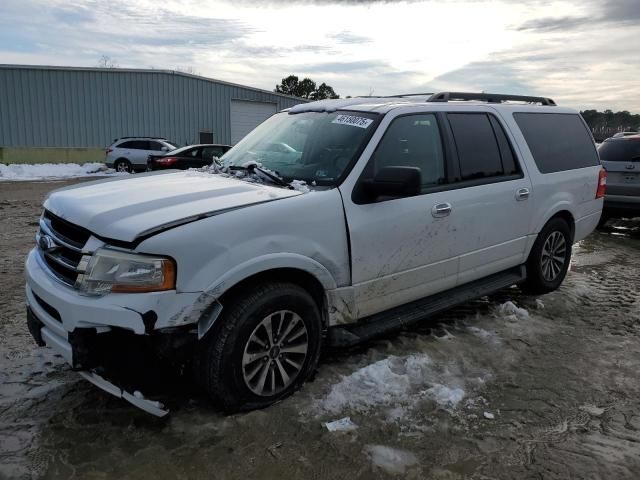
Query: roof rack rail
489,97
141,136
398,95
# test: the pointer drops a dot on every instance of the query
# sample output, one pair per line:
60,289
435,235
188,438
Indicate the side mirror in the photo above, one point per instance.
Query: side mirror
395,182
165,149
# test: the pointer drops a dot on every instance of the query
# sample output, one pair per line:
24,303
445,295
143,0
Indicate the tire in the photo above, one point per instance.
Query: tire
545,273
122,165
239,373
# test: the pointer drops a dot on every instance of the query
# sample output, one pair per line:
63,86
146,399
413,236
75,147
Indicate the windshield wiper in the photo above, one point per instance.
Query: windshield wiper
253,167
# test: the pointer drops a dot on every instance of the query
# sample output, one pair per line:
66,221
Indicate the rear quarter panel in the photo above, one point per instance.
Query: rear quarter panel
570,190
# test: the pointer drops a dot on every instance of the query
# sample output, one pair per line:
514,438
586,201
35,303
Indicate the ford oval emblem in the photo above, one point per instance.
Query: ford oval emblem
46,243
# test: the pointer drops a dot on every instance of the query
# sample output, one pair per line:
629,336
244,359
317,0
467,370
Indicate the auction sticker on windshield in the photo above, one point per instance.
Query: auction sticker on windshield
353,120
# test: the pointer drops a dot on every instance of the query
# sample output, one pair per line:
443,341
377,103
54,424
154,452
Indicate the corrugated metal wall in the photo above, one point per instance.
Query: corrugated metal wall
69,107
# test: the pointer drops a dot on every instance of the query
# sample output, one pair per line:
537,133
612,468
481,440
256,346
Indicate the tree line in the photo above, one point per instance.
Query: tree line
605,124
305,88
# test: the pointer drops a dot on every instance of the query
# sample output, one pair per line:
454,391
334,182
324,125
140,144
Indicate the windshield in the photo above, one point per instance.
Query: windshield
316,147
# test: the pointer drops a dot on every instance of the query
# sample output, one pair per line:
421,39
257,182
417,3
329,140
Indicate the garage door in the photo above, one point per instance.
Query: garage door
245,116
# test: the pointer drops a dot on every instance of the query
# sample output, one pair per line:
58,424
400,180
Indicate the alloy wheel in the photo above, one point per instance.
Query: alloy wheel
554,254
275,353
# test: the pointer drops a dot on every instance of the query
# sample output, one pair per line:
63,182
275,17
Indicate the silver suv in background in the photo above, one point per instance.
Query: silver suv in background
620,157
129,154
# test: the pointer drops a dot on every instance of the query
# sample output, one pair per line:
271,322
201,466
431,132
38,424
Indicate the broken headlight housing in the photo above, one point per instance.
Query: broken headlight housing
122,272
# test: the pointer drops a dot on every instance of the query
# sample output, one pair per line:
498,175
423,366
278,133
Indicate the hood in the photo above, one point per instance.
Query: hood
124,209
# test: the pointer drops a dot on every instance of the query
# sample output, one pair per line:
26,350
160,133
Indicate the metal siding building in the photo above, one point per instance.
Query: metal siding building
71,107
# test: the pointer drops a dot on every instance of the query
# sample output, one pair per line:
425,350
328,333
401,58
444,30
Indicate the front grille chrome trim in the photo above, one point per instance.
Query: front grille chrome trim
61,261
64,257
46,228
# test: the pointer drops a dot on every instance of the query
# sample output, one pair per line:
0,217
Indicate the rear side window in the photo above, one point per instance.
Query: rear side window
557,141
478,138
627,150
135,144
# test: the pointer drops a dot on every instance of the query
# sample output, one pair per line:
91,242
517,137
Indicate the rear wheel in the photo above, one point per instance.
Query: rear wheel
263,347
123,165
549,258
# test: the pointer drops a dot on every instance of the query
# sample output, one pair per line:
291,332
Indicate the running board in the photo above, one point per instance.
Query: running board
411,313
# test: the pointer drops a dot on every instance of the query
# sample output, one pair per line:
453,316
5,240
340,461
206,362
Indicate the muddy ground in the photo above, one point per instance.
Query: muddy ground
505,387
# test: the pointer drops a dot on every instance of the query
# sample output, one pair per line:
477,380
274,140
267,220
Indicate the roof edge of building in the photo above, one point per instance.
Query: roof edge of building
146,70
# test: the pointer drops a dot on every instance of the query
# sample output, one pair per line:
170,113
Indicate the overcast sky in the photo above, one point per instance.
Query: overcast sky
584,54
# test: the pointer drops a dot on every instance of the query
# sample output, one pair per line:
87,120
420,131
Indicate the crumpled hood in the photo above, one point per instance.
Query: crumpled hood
124,209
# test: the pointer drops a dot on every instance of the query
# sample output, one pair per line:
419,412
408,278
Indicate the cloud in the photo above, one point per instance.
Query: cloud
582,53
356,66
610,12
349,38
550,24
235,49
116,28
598,72
487,76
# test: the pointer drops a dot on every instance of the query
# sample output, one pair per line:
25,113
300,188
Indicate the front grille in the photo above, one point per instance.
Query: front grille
67,231
60,245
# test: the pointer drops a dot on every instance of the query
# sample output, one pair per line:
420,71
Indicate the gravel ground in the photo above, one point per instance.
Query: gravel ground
504,387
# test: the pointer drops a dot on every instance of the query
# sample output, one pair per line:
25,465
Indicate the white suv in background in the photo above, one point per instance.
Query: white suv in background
411,205
129,154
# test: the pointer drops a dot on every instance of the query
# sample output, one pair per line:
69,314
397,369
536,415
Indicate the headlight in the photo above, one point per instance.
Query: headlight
121,272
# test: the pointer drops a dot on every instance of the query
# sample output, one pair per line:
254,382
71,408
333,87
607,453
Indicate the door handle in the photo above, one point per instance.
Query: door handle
441,210
522,194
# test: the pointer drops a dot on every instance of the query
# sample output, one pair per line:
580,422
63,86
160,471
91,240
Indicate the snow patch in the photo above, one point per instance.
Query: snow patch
446,396
300,186
47,171
592,410
391,460
482,333
398,382
512,311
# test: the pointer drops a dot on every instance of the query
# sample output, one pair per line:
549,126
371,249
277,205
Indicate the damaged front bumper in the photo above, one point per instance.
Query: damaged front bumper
89,332
150,406
114,354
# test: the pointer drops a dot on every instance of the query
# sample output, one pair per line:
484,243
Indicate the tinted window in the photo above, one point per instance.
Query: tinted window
557,141
155,146
627,150
477,146
135,144
509,165
412,141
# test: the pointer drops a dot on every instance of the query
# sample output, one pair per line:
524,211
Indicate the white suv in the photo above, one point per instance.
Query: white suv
411,205
129,154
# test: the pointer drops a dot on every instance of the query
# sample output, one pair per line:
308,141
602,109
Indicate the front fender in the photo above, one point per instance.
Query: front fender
271,262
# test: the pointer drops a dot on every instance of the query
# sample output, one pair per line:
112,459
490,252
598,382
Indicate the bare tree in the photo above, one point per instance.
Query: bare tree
107,62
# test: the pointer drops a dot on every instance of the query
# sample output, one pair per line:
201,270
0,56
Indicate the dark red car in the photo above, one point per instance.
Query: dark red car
191,156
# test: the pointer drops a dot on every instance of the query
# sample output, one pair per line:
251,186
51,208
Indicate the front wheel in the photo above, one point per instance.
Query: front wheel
549,259
263,347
